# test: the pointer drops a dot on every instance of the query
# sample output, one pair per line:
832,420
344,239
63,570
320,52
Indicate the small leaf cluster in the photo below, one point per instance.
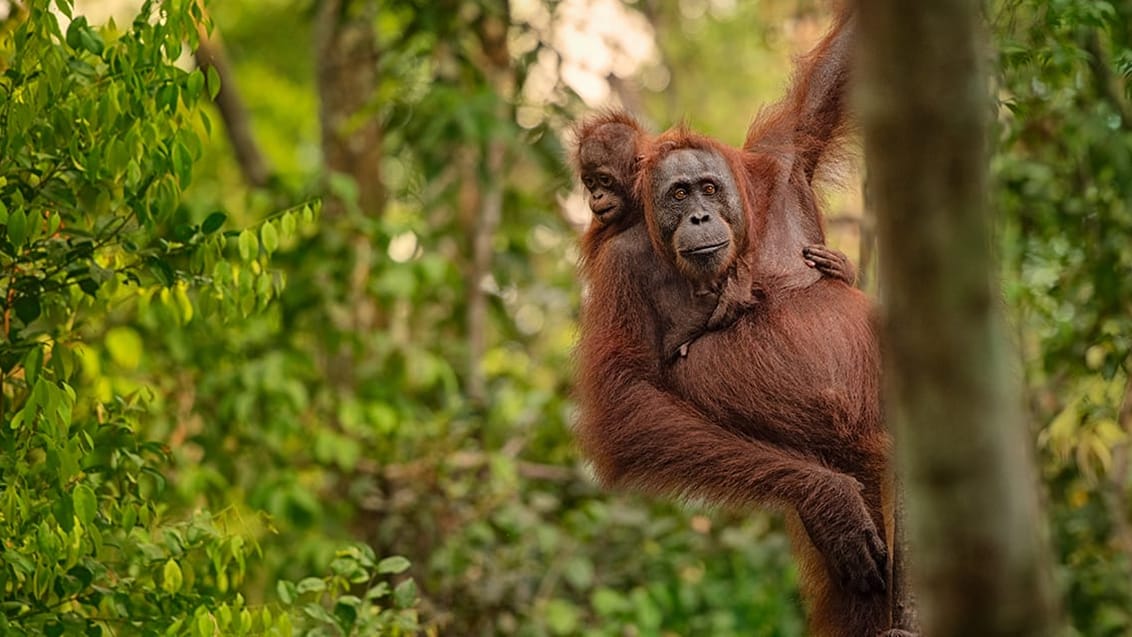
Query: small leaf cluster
329,608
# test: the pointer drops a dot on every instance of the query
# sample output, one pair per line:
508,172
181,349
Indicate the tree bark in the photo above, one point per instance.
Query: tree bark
902,600
979,559
210,54
346,61
483,234
495,61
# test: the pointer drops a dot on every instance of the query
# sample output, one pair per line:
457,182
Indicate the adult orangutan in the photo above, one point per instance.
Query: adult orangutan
797,377
778,414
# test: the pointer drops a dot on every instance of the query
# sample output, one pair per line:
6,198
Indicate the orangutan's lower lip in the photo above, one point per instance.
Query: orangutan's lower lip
708,249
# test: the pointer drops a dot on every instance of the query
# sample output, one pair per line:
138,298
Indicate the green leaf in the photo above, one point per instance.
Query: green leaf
318,613
286,591
86,505
129,517
213,222
248,245
27,308
166,98
17,227
213,82
405,595
562,617
183,232
80,67
91,41
74,32
608,602
125,347
33,363
82,574
310,585
346,612
162,271
172,579
377,591
133,173
193,86
89,286
182,164
203,624
270,237
183,303
393,565
287,224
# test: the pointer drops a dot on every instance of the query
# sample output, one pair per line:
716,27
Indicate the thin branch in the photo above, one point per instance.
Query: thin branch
210,54
1107,83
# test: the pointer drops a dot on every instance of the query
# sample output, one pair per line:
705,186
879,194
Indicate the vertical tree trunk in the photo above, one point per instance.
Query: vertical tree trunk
487,222
978,559
346,66
902,601
491,31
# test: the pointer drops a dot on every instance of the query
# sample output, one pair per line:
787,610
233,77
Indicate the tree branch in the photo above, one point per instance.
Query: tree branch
1107,83
210,54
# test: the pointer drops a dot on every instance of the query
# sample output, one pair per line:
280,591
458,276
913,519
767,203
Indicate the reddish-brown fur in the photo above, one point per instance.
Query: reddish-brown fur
782,408
611,142
623,158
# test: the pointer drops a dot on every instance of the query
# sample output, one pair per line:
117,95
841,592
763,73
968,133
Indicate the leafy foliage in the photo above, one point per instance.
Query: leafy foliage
1066,191
100,137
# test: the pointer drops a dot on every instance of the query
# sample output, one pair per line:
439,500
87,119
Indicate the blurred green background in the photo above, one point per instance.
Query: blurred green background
295,357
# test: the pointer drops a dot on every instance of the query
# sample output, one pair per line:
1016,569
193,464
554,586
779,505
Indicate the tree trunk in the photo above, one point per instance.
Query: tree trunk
979,560
346,63
491,31
489,215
